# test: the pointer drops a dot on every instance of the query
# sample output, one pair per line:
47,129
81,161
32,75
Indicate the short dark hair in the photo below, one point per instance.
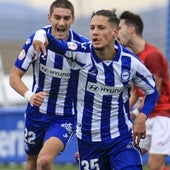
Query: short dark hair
110,14
62,4
133,19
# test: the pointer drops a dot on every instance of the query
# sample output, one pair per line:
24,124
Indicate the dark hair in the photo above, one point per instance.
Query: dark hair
62,4
133,19
110,14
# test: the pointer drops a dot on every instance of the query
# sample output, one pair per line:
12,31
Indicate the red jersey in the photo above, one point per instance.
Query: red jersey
154,60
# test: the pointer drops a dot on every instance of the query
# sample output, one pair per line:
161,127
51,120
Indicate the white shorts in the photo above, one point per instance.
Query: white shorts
157,139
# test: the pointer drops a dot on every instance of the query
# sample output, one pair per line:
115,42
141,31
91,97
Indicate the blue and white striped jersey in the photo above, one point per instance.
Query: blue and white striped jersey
50,74
103,89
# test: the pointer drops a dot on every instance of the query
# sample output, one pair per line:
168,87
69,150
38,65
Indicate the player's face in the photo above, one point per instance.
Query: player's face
124,33
102,33
61,20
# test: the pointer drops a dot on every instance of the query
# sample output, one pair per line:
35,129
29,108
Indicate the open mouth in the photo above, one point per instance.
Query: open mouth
61,30
95,40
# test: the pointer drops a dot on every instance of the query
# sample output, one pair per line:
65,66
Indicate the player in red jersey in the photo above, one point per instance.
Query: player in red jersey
157,141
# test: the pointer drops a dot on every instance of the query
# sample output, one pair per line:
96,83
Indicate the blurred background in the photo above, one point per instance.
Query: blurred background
19,19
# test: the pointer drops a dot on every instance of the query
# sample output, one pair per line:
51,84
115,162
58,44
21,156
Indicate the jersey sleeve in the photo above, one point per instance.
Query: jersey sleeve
26,55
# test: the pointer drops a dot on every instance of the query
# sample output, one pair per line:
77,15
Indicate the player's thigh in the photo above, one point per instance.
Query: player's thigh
51,148
56,138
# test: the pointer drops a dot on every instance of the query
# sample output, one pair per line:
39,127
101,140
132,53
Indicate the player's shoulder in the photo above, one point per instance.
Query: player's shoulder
74,36
152,48
126,51
47,28
152,52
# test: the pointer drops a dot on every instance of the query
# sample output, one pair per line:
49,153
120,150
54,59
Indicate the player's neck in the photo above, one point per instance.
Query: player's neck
106,54
138,45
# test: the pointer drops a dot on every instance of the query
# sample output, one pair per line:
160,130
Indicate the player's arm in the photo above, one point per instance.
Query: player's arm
15,80
138,106
158,81
133,96
43,40
145,81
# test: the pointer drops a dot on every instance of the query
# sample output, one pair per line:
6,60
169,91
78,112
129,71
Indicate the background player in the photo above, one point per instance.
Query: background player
157,141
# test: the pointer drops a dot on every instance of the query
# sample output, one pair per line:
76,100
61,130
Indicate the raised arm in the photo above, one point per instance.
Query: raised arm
43,40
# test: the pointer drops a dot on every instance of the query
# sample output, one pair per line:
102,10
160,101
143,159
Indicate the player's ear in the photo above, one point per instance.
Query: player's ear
73,19
131,29
115,32
49,18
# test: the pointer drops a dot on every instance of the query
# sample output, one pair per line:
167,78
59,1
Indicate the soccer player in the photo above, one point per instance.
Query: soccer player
106,71
50,117
157,140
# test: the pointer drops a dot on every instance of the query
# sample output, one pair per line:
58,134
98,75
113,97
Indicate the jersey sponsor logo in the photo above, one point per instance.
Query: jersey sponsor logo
98,88
125,75
21,54
53,72
72,46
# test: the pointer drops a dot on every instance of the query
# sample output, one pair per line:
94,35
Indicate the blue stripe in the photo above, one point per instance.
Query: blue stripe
41,77
106,104
88,100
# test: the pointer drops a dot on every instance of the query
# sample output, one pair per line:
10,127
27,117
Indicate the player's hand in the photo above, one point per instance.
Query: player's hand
40,43
39,47
139,128
38,98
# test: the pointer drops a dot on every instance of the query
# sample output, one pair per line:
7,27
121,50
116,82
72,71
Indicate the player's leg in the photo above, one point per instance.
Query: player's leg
51,148
160,143
156,161
33,138
31,162
55,140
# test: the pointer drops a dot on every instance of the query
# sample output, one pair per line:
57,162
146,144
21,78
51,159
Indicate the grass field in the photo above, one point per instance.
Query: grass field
59,167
